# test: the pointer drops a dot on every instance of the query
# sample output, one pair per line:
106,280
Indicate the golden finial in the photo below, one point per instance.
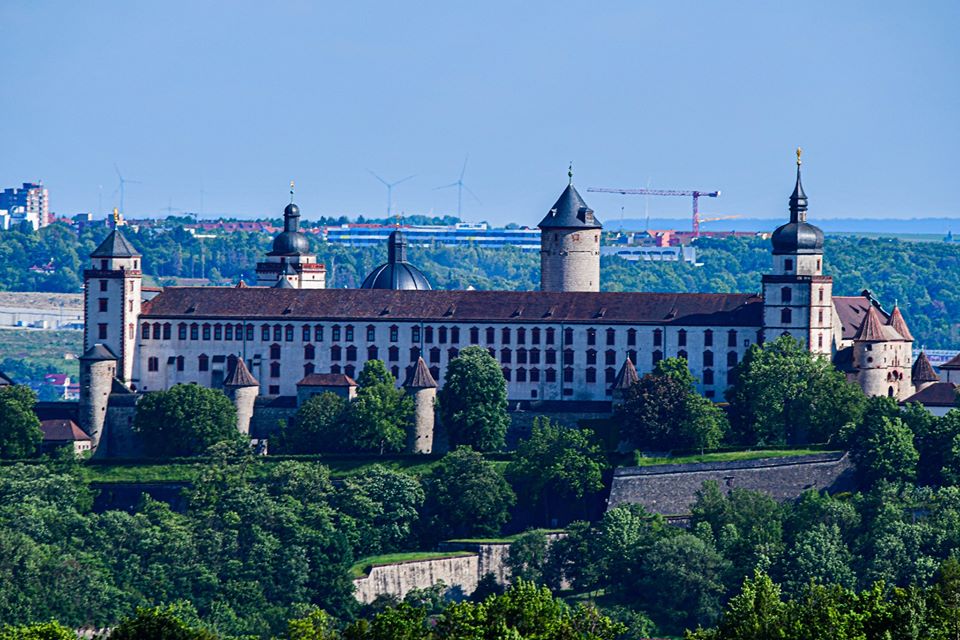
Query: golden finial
570,172
799,153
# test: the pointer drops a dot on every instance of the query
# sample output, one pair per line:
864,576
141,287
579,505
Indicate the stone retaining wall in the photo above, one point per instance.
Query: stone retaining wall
460,573
671,489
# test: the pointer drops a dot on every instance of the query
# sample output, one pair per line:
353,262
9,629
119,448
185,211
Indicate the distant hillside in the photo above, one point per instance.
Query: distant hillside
894,226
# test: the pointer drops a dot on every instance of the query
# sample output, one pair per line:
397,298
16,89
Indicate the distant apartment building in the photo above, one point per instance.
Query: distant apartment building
462,234
29,203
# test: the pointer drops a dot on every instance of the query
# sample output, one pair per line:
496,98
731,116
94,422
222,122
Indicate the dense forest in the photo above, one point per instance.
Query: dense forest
922,277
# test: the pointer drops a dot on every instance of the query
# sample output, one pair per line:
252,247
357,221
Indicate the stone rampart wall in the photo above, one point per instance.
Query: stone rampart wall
671,489
460,573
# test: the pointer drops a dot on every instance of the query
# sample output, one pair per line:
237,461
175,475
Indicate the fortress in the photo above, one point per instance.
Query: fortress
567,345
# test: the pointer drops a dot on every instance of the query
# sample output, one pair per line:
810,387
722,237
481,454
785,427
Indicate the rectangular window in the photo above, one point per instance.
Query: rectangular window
277,333
318,333
414,334
288,333
102,305
103,285
371,334
249,332
228,332
102,331
265,333
182,331
348,331
217,332
153,364
194,331
166,330
306,333
335,333
206,332
394,334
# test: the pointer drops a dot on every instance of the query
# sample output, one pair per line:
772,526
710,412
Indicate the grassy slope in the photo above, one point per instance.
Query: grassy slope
725,456
41,347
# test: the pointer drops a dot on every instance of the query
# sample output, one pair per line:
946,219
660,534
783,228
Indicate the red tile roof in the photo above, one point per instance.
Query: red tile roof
939,394
922,370
627,377
240,376
952,363
899,324
62,431
419,377
851,310
254,303
874,329
327,380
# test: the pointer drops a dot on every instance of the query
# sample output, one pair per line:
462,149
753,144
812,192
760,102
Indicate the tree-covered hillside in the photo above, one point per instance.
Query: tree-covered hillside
922,276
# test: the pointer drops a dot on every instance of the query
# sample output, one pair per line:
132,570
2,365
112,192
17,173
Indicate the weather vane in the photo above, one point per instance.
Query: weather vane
570,172
799,153
291,192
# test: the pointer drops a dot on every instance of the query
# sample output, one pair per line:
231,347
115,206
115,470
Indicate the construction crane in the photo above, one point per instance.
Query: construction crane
666,192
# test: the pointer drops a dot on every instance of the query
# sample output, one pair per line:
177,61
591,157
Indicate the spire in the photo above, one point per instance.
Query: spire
115,245
240,376
291,214
923,371
291,192
396,247
419,377
798,199
898,323
627,377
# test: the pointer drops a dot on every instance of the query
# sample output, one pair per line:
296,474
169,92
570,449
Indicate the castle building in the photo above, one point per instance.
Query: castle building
568,344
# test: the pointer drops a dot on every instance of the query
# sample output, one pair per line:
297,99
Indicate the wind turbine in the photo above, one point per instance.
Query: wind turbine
389,186
122,187
460,187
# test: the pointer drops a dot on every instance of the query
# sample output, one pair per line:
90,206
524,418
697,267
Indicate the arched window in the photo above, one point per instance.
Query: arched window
274,369
568,335
568,356
434,355
890,392
335,368
335,332
348,333
551,336
309,352
393,353
591,356
228,332
708,358
631,337
551,375
203,362
521,356
786,294
218,331
535,335
306,333
534,356
335,353
442,335
505,356
248,331
265,332
308,369
394,333
145,331
708,338
166,330
591,336
521,374
682,338
288,333
277,333
455,334
786,316
206,330
318,333
474,335
657,337
591,375
820,294
415,333
521,336
505,335
274,352
373,352
491,335
731,358
708,376
194,331
352,353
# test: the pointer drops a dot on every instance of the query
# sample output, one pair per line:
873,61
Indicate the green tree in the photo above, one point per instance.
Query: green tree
185,420
664,411
886,452
466,496
819,555
41,631
319,425
378,418
782,393
20,434
528,556
380,508
556,463
158,623
473,401
756,613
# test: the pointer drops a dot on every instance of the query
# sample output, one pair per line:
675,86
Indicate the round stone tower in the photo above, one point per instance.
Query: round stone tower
242,388
570,245
881,358
423,387
98,369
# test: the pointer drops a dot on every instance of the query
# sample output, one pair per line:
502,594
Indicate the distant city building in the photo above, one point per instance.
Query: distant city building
652,254
29,203
463,234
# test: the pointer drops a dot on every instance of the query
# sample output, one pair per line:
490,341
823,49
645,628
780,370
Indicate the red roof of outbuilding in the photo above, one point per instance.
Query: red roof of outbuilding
938,394
62,431
327,380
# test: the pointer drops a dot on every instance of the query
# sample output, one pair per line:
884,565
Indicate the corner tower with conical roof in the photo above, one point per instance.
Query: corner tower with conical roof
797,297
111,301
570,244
290,263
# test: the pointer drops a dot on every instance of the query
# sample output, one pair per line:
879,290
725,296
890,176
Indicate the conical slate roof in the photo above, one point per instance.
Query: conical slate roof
570,212
923,371
419,377
627,377
115,246
283,283
953,363
98,352
898,323
874,329
240,376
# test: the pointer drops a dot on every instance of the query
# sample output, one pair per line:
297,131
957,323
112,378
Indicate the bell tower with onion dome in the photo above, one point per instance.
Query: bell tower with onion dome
290,265
797,297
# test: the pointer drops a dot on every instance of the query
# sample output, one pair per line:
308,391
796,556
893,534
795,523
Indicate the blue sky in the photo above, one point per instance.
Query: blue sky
232,100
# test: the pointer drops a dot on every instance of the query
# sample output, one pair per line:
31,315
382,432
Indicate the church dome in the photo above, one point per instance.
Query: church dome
290,242
396,273
797,236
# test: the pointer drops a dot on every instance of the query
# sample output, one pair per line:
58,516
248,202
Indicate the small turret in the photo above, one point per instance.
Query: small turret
922,373
98,369
242,389
626,378
423,387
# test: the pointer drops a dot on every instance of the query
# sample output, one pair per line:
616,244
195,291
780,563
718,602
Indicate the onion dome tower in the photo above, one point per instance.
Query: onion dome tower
396,272
797,297
570,244
290,258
